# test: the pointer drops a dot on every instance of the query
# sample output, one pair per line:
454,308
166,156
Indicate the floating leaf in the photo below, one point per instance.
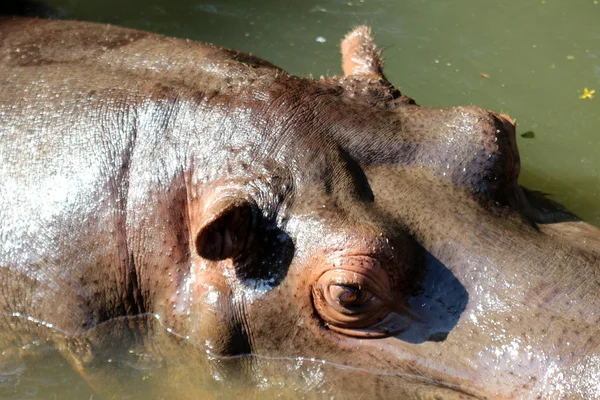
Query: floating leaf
570,57
484,75
587,94
528,135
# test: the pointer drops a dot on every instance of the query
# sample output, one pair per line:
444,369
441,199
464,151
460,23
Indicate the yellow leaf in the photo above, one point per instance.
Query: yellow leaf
587,94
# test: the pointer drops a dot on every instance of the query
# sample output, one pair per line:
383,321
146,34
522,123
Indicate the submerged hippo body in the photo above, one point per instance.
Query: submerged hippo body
226,221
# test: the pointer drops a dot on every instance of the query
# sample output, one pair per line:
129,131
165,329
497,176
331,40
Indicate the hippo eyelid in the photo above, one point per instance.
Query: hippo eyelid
348,295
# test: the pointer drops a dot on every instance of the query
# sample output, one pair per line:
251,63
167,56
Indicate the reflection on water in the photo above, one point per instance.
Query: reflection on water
139,357
128,365
45,376
160,364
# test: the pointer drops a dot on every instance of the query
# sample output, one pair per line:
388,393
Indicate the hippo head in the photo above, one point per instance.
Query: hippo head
320,237
379,247
298,275
283,247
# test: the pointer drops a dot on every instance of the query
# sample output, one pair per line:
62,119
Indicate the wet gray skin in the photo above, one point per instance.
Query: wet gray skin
233,223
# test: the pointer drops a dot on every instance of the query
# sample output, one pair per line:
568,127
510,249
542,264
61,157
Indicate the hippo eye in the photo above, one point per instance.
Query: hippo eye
351,296
348,296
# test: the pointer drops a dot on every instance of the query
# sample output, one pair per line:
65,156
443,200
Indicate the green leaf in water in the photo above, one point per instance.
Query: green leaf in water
528,135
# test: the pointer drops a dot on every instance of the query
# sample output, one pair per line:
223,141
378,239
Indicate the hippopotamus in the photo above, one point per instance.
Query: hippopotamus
190,220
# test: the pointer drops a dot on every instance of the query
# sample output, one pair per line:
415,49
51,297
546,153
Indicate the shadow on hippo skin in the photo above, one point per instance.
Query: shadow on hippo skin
438,304
277,252
547,211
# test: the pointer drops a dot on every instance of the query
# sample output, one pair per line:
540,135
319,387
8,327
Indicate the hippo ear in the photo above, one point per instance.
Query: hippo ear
360,56
227,228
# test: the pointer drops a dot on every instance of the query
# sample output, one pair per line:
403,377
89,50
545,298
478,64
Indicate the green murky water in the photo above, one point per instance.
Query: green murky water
529,59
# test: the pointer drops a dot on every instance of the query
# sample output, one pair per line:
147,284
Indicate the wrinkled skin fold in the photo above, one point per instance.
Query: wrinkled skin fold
179,211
